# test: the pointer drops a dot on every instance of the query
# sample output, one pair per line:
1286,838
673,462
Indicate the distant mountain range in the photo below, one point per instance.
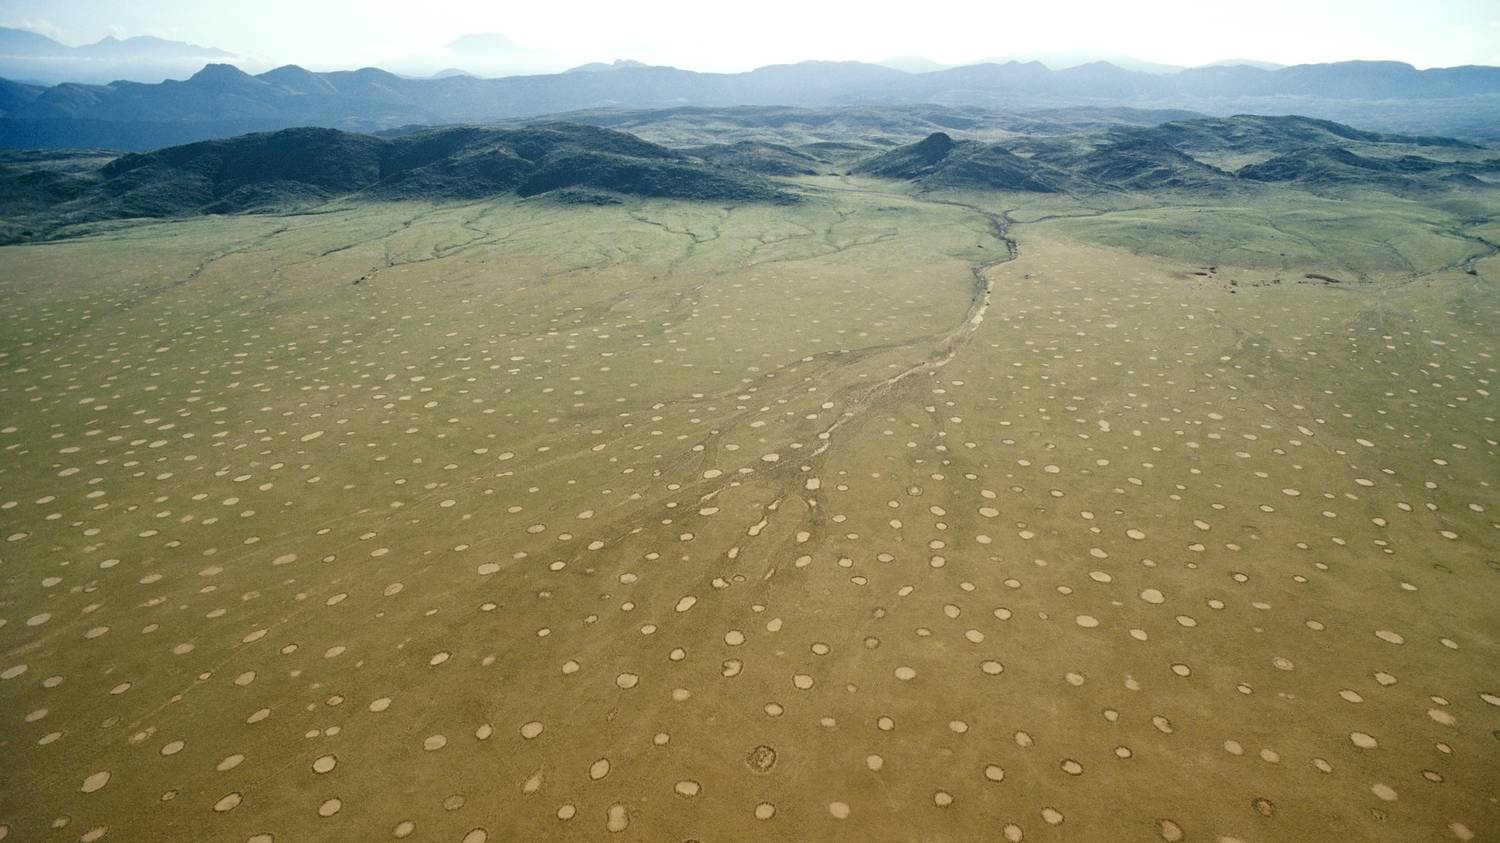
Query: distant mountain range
220,100
599,66
1063,61
481,54
34,57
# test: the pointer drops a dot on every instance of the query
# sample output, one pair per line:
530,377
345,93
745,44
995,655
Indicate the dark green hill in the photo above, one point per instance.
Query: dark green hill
1203,156
672,179
939,161
471,161
996,168
1246,132
770,159
42,192
298,167
919,160
1328,167
1145,164
34,190
282,168
1042,166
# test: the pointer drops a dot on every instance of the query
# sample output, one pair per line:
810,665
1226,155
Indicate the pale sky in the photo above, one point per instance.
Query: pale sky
734,36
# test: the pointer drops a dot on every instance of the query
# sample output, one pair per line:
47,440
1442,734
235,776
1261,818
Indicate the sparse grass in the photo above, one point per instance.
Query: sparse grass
538,520
1368,236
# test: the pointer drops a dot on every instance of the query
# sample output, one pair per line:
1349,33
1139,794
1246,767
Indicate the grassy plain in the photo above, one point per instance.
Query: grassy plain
515,520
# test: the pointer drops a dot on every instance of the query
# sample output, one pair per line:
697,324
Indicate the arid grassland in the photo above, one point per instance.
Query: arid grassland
876,516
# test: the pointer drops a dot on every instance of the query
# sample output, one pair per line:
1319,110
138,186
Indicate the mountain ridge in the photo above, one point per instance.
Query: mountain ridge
1388,96
25,54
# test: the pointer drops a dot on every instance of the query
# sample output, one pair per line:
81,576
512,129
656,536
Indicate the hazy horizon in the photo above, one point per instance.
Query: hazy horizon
479,38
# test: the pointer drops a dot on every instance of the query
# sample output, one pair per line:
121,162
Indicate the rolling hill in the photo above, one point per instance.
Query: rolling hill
43,194
1203,156
295,168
